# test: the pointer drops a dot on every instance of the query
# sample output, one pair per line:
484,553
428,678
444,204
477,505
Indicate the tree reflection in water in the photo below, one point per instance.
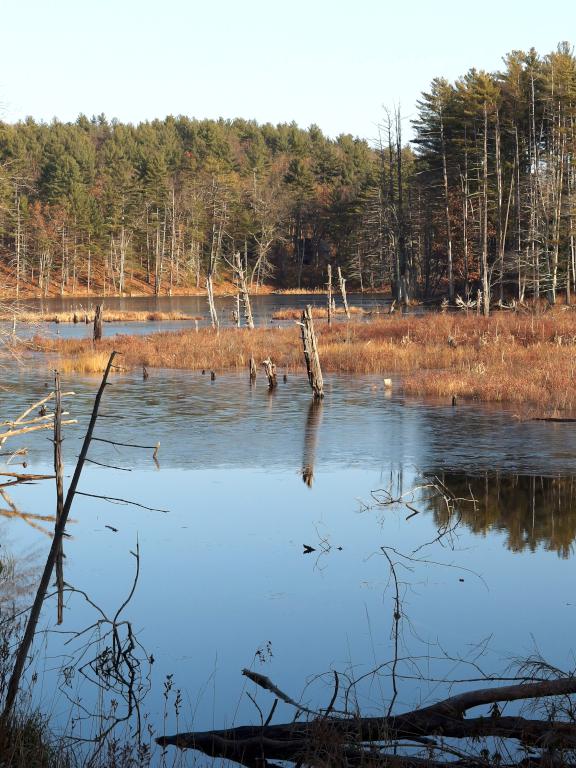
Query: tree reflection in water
313,420
533,511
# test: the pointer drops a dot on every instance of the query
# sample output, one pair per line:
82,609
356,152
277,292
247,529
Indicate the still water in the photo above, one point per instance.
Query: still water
248,478
263,309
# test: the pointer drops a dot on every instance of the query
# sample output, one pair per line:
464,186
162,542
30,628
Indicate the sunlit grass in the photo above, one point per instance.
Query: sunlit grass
291,313
504,358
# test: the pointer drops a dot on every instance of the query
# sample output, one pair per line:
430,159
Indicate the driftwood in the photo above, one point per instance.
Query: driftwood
373,741
311,355
252,369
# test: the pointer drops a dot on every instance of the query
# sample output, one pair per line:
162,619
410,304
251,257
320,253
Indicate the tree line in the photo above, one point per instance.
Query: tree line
479,204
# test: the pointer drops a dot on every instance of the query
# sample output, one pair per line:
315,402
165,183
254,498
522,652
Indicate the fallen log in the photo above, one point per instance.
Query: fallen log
351,741
560,419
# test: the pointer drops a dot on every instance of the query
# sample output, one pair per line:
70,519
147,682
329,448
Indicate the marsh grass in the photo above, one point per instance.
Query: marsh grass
27,742
317,312
504,358
81,315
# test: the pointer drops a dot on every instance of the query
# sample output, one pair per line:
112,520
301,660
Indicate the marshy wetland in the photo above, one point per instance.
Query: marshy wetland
268,524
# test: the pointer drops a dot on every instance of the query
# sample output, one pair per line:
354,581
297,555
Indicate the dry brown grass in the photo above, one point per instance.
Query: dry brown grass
81,316
292,313
504,358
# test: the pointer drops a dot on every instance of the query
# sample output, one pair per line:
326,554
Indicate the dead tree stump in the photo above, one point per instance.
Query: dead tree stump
241,280
270,370
211,304
311,355
329,294
97,335
343,292
252,369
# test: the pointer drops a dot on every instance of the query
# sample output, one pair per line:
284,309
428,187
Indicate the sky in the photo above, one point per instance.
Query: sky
335,64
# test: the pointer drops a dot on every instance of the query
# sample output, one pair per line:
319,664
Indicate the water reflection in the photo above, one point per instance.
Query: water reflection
532,511
313,420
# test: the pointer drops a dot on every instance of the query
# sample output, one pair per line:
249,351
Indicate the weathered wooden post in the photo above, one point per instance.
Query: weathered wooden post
270,370
343,292
97,335
311,354
252,368
329,294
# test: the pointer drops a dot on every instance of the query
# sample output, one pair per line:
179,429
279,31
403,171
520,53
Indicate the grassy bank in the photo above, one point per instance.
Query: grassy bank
505,358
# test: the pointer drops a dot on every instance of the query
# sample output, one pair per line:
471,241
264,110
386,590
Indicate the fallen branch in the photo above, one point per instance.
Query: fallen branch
25,430
348,741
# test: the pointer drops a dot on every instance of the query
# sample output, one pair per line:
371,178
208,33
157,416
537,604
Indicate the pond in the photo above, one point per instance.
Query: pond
247,478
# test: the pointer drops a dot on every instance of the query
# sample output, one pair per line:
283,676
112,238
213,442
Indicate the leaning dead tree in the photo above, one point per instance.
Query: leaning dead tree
311,355
342,283
330,740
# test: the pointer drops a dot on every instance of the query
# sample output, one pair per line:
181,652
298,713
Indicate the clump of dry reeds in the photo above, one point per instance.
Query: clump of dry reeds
291,313
506,357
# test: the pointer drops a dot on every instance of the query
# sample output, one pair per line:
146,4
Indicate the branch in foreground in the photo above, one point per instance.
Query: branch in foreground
352,741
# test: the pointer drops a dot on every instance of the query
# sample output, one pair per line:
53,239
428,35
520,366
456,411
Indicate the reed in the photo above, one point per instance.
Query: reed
504,358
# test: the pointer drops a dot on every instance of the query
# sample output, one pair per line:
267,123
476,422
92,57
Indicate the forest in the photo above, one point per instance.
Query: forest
480,202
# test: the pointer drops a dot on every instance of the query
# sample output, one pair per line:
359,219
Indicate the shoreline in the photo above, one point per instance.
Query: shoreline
224,290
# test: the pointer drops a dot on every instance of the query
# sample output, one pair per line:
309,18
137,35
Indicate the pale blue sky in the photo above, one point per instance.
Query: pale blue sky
313,61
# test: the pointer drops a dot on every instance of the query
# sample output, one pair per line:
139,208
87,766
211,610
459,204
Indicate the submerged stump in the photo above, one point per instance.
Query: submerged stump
270,370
